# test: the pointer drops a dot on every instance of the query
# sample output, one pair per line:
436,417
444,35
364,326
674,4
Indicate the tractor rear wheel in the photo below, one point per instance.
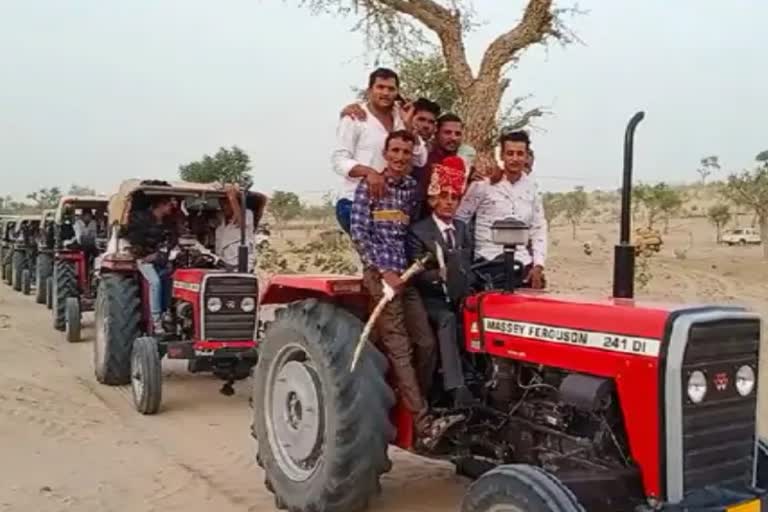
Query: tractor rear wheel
17,266
49,292
42,272
26,282
118,321
72,323
146,376
519,488
64,286
762,463
8,278
322,430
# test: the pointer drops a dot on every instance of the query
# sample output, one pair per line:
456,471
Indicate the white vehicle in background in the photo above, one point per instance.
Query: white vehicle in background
741,236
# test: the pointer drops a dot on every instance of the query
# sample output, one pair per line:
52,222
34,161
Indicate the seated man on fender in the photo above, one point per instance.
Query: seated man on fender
448,277
151,233
509,192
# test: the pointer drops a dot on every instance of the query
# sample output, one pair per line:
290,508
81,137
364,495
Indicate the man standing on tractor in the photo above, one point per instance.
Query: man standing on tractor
425,114
509,192
86,231
448,277
151,236
378,229
228,231
358,155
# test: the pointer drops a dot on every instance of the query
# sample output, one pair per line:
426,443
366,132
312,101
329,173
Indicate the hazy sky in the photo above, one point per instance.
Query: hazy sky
96,91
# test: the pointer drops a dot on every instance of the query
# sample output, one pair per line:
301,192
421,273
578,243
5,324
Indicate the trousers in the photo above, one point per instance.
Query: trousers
404,335
444,317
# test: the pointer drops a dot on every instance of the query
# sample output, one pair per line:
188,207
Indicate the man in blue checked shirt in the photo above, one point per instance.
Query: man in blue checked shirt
379,228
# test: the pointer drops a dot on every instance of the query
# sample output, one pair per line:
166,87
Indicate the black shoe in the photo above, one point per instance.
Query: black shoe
463,398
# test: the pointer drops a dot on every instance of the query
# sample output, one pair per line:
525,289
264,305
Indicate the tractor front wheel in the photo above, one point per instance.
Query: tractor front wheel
42,273
64,286
26,282
49,292
72,313
17,267
519,488
322,430
118,321
146,376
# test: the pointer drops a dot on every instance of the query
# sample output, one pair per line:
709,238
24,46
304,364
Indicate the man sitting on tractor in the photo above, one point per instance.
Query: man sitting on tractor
448,276
86,232
378,230
509,192
151,237
228,229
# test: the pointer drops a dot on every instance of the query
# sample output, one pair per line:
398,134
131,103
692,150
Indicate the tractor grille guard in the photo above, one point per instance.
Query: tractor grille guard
711,443
230,323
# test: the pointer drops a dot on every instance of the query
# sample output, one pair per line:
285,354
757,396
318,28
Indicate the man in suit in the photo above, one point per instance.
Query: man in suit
443,287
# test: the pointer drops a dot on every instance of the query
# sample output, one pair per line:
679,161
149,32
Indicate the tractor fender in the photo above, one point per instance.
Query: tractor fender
284,289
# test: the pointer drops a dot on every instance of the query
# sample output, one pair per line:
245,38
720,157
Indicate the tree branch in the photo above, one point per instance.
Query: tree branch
447,26
538,22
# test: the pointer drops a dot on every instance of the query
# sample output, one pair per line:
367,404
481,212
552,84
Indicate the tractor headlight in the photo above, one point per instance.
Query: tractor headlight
213,304
697,386
248,304
745,380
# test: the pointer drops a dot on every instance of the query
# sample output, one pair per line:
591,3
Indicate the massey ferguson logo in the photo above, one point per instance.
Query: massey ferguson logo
230,304
721,381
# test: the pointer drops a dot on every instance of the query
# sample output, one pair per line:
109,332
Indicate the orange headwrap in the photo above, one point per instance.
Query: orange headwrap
448,175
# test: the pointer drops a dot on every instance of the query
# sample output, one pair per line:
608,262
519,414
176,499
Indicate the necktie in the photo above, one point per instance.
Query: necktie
450,241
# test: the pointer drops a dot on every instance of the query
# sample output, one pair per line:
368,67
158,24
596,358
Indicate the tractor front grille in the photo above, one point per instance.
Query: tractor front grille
231,322
719,432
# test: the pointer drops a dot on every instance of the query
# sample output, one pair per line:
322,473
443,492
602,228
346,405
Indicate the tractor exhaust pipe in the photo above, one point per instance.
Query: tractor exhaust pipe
242,250
624,252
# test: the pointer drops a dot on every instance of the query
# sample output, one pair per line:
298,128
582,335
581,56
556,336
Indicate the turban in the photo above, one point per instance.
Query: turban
447,175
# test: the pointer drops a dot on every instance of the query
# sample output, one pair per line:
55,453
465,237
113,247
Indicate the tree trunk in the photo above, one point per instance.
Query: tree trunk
764,234
479,108
719,229
573,228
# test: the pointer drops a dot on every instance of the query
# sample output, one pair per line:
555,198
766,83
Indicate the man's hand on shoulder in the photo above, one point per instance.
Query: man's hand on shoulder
355,111
374,179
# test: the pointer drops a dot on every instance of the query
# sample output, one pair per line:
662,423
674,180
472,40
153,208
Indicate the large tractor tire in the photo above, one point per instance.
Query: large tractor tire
49,292
73,317
146,376
17,266
64,286
26,282
8,277
519,488
118,320
762,463
322,430
43,269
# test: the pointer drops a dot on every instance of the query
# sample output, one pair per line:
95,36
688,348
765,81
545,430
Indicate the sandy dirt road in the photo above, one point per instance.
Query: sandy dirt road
67,443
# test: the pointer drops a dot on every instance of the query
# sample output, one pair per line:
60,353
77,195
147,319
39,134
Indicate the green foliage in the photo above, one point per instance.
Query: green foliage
226,166
45,198
553,206
750,189
574,205
658,199
762,156
77,190
719,215
284,206
426,76
331,252
708,165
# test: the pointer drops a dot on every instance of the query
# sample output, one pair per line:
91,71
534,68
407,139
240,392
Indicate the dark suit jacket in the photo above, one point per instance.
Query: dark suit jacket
423,237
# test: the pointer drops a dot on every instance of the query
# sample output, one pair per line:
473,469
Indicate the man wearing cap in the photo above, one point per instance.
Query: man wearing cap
448,277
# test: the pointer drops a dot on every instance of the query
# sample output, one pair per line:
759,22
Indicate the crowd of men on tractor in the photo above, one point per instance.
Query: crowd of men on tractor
410,187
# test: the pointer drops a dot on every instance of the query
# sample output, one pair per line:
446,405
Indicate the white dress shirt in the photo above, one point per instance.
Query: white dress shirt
444,227
362,143
520,200
84,232
228,240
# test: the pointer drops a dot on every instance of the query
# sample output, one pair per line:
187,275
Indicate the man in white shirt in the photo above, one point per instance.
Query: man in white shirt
85,228
510,192
228,231
359,152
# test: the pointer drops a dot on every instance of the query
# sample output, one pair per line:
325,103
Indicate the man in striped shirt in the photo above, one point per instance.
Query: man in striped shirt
378,229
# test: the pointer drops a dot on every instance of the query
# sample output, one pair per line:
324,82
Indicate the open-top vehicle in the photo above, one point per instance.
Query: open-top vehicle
71,279
44,259
7,229
23,252
211,315
604,404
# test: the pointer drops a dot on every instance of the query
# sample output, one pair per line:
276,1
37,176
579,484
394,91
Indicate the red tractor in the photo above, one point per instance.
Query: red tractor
71,280
587,404
211,314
